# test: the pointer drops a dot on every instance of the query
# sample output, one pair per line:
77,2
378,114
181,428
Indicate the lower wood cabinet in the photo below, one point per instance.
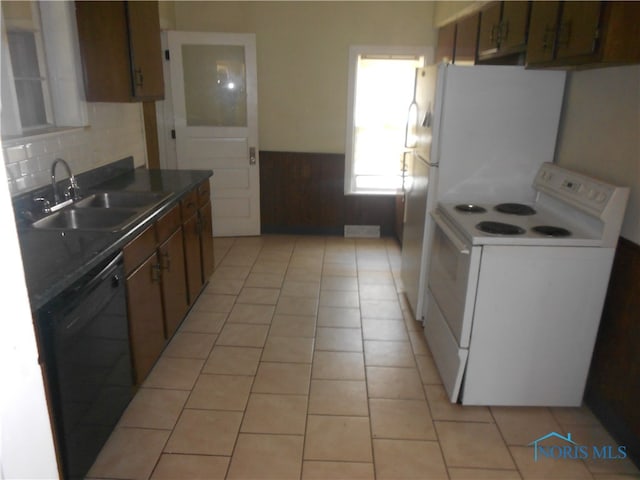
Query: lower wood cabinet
174,287
206,240
167,266
192,256
198,238
144,303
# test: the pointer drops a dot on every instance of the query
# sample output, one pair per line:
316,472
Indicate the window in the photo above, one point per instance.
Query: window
40,90
381,83
30,81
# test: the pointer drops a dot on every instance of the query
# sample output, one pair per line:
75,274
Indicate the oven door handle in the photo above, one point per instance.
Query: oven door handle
451,235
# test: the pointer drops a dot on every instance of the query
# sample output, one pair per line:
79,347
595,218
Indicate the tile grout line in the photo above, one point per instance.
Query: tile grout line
415,361
315,336
244,411
162,451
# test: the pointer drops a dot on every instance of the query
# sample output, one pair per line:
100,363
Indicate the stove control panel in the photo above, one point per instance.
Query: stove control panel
580,190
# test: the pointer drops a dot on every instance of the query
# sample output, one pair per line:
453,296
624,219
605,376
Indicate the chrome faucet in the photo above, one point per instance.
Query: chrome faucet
72,193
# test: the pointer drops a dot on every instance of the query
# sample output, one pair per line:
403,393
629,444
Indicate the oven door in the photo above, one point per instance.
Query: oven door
453,278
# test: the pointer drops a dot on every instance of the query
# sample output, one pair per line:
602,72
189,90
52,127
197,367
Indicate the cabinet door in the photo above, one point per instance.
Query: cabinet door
192,256
206,241
513,28
120,49
174,282
103,39
138,250
144,302
489,29
146,52
446,43
578,29
542,31
467,40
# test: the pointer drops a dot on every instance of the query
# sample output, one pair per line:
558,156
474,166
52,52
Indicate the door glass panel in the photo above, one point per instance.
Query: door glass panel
215,85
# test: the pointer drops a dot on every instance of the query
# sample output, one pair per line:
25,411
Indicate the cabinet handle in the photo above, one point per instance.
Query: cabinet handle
548,37
596,37
156,273
166,265
504,31
139,78
494,36
564,34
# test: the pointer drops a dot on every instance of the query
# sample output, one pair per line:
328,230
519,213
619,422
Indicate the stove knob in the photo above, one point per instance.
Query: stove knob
601,197
592,194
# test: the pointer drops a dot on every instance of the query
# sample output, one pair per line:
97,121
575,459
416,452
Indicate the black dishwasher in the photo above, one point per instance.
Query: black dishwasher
84,341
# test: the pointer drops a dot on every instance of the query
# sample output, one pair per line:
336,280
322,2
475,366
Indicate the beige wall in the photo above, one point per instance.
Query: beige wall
303,51
600,132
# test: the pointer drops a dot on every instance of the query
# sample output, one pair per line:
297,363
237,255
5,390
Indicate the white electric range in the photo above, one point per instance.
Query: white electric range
515,291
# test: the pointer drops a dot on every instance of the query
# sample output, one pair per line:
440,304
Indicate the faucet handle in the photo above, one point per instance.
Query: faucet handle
46,204
73,191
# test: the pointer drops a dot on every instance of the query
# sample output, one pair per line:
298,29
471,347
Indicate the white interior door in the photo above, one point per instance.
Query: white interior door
215,104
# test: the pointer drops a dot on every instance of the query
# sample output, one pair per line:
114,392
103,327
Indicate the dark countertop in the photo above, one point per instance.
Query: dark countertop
54,260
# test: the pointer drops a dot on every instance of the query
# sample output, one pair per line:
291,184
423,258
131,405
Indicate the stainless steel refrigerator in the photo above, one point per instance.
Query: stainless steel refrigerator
475,134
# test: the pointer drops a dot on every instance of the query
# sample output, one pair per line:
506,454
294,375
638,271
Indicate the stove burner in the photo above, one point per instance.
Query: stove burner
499,228
515,209
470,208
550,231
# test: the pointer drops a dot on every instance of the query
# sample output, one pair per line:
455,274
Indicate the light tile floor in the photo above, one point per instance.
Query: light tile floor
301,361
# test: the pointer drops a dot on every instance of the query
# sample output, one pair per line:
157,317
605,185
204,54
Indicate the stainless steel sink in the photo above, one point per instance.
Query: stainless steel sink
111,220
122,200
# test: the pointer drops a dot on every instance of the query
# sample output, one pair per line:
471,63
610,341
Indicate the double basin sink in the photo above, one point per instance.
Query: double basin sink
103,211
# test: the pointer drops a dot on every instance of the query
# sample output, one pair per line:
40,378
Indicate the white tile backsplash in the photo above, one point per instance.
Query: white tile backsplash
116,131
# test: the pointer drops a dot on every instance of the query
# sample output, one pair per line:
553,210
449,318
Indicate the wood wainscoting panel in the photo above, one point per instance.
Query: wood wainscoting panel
303,193
613,386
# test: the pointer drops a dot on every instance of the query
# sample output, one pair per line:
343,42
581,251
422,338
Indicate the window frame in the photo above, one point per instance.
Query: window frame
36,30
355,51
54,26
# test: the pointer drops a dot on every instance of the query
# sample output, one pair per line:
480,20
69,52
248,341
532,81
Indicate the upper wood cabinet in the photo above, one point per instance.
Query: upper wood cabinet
489,29
467,39
584,33
120,49
503,29
457,42
446,43
542,32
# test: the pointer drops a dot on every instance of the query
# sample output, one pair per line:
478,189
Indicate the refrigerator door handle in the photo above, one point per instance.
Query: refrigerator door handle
428,117
428,162
410,137
405,169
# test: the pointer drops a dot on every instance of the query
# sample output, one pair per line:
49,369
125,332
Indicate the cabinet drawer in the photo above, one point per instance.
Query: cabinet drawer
189,205
139,249
168,223
204,191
